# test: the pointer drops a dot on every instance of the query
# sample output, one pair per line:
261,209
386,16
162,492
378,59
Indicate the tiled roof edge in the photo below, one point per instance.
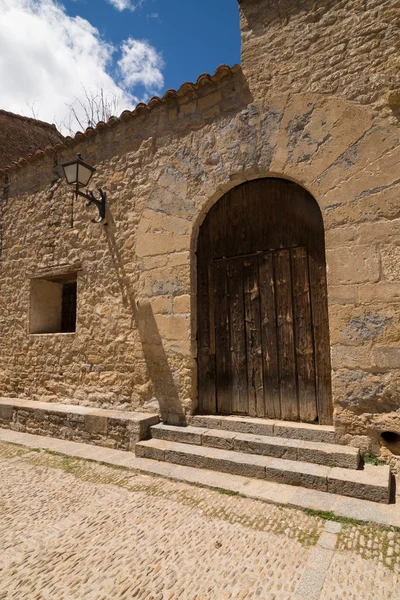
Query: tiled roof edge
126,115
31,120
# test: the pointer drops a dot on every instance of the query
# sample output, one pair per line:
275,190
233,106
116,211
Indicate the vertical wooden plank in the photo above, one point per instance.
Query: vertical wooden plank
286,354
222,341
205,326
236,239
253,337
220,233
240,402
269,337
319,307
303,335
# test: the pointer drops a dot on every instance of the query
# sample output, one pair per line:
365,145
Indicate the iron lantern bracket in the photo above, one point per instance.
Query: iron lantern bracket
99,203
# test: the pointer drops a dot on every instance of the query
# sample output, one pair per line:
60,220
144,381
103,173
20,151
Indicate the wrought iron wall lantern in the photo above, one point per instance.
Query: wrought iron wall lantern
79,173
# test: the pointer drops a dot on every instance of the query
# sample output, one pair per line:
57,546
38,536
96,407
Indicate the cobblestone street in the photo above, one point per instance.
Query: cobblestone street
76,530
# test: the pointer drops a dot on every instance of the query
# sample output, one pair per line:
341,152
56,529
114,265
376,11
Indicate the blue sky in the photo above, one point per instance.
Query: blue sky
54,52
193,36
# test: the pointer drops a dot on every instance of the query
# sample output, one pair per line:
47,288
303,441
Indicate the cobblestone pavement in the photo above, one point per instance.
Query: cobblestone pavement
77,530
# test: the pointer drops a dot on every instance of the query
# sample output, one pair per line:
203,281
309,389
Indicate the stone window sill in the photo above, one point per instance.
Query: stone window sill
56,333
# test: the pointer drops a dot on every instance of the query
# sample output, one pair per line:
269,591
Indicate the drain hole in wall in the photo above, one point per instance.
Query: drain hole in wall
390,437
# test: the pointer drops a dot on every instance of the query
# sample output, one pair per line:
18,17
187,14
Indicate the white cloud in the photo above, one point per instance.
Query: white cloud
141,64
47,57
123,4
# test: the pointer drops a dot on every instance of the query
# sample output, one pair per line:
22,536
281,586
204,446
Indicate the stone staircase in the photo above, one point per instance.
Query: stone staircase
291,453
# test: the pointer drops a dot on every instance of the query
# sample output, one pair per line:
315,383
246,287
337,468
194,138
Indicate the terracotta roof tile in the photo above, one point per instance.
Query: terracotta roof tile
186,88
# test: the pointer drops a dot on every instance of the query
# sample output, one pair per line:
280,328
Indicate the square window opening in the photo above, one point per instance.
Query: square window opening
54,304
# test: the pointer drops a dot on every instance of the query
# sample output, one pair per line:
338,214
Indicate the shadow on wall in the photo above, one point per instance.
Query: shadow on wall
393,99
155,357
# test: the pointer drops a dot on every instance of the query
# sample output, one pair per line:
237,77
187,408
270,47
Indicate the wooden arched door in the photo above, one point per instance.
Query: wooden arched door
263,334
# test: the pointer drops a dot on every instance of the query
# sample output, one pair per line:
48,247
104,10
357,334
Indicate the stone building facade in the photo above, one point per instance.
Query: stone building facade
315,103
21,136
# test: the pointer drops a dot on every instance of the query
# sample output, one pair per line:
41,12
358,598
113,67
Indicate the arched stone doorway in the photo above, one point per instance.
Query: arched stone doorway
263,334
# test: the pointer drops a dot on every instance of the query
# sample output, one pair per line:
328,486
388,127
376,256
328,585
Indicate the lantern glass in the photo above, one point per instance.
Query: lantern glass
70,173
84,174
77,172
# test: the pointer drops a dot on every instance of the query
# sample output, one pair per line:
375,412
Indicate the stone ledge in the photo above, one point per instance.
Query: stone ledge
109,428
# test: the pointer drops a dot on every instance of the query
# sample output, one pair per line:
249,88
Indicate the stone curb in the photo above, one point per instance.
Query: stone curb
312,581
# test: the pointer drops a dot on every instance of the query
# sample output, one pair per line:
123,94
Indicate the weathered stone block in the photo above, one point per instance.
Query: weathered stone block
277,40
296,473
340,236
209,100
379,293
248,425
387,358
367,182
187,435
6,413
188,109
390,256
161,305
265,446
342,294
236,464
205,421
351,357
174,281
182,304
383,231
358,264
373,483
380,205
173,327
305,431
189,459
219,439
40,415
152,244
329,455
144,451
360,390
357,326
96,424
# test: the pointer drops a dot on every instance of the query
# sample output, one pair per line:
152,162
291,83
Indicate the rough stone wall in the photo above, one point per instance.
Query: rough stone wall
349,160
343,48
135,343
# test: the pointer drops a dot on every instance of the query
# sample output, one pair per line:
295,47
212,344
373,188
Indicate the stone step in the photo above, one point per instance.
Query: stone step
319,453
372,483
108,428
286,429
